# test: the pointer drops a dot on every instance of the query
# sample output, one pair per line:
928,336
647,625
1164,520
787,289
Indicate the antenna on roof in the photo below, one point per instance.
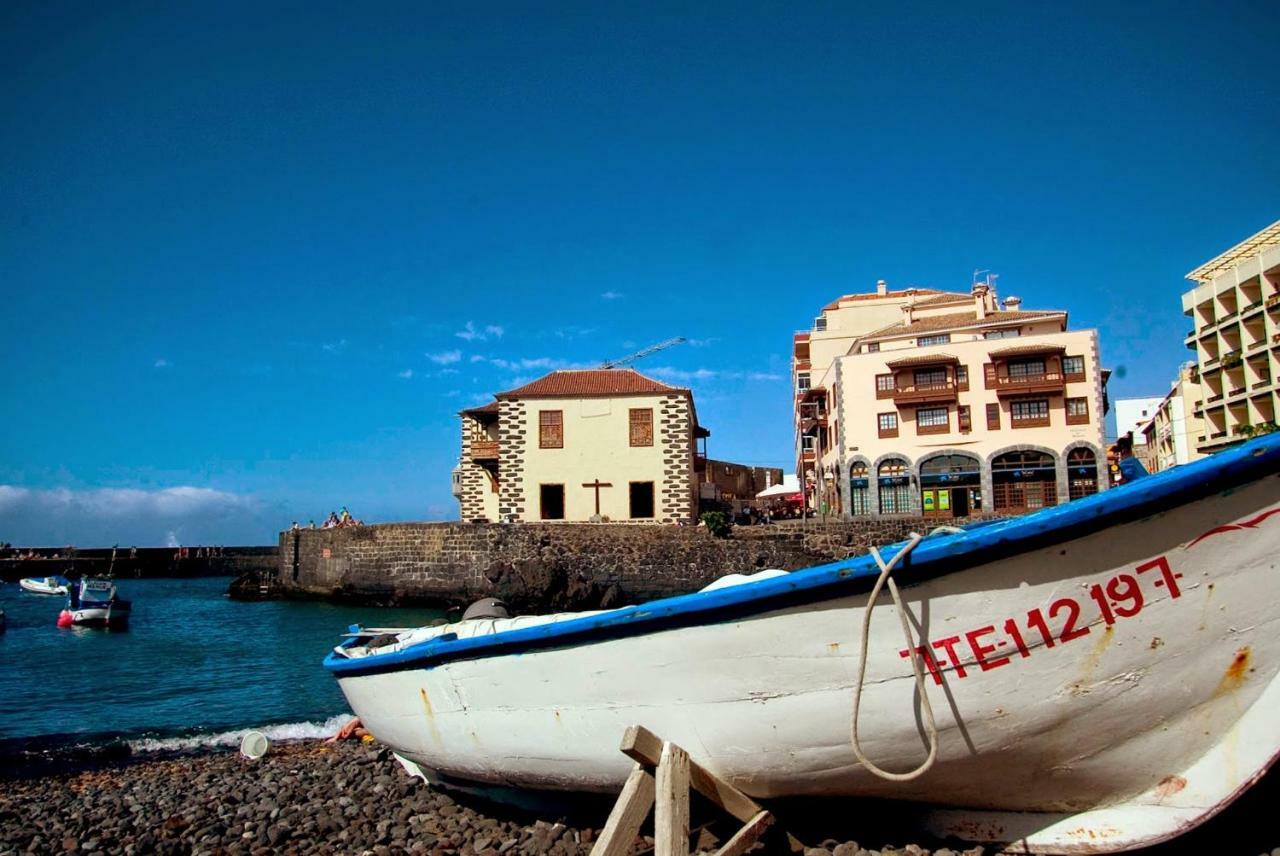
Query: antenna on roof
990,281
652,349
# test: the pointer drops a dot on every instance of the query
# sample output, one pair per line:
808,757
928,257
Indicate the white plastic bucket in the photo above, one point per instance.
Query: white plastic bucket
254,745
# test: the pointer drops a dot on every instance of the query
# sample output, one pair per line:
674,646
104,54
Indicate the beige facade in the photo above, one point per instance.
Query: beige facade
602,445
962,405
1170,435
1235,309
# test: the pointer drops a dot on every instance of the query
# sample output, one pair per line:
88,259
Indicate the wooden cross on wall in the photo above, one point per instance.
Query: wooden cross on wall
597,484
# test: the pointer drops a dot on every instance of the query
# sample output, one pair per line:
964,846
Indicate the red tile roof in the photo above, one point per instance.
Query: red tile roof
1016,350
491,407
589,383
956,320
928,359
906,292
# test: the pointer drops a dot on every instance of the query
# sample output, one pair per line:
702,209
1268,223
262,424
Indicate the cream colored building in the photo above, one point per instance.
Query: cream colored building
1235,309
604,444
1170,434
958,405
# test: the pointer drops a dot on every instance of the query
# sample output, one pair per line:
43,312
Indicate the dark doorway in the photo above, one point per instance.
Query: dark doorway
641,500
552,502
960,502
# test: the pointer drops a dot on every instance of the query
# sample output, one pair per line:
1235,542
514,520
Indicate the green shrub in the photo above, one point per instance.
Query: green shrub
717,523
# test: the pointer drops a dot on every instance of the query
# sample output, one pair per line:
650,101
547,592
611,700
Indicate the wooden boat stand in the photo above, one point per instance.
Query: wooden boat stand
661,779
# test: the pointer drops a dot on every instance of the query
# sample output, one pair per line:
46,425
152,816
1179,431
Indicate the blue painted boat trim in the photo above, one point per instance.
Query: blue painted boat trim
938,555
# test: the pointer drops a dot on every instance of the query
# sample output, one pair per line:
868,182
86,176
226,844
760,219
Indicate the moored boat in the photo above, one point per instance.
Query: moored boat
45,585
1103,674
94,602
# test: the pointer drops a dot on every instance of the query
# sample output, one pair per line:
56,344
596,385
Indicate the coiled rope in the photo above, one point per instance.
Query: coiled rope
930,725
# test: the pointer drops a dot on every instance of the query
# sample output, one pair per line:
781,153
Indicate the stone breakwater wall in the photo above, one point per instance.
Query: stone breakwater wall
146,563
538,567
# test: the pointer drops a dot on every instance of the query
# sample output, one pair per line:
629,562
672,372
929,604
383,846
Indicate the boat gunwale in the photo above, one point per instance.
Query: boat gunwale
936,556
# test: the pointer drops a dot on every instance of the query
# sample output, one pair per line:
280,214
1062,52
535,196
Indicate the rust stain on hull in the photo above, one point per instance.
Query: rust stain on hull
1236,673
1169,786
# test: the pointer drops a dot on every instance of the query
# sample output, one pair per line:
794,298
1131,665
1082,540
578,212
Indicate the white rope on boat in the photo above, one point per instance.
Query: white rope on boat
931,727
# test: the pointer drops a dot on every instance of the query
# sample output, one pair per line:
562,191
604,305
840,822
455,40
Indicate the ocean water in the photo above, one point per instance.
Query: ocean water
193,668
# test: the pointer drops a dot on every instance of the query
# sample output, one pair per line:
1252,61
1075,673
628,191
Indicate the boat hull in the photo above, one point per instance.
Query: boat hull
114,616
1047,703
41,586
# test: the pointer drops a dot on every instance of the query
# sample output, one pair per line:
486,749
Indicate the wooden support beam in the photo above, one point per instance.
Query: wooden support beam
662,777
746,836
642,745
671,812
619,834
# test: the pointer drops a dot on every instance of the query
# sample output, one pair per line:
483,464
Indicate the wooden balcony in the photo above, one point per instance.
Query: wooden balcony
1047,383
484,450
925,393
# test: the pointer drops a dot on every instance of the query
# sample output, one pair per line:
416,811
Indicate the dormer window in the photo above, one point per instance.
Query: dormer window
820,323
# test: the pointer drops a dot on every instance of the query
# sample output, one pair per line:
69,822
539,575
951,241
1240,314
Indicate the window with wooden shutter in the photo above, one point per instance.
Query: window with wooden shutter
551,429
642,427
993,417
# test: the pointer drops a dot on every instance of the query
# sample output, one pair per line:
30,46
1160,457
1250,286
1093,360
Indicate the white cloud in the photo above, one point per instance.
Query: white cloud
543,363
448,372
680,375
611,295
104,516
445,358
764,376
478,358
469,333
572,332
701,343
406,374
162,363
335,347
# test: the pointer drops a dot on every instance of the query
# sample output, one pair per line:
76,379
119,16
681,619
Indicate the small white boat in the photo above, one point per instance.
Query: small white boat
93,602
1103,674
44,585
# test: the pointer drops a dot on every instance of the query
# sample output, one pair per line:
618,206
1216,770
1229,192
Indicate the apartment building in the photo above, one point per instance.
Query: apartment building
1172,431
1235,309
960,404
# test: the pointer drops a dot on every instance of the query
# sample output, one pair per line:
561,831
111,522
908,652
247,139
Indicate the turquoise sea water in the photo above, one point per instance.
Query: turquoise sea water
193,664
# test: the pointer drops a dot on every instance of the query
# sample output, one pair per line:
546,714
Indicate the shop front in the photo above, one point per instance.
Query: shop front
950,486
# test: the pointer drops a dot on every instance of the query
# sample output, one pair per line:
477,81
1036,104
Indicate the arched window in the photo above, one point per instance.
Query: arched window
859,490
1082,473
1023,481
894,485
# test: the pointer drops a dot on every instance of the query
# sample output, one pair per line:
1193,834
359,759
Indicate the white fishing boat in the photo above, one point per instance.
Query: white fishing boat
1102,674
44,585
94,602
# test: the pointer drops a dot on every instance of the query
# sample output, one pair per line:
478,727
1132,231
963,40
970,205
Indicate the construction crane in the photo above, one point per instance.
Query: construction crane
652,349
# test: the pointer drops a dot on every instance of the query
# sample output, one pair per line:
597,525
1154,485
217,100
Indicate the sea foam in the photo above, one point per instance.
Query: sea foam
284,731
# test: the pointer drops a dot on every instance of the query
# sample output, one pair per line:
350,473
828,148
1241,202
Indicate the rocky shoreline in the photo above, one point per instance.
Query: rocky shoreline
315,798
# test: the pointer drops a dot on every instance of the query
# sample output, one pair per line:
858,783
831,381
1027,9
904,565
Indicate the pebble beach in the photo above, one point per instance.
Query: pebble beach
311,797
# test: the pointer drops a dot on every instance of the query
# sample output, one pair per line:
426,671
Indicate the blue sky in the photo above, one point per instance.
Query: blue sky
254,257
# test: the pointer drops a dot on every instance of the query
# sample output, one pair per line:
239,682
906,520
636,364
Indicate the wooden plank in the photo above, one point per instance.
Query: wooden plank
619,834
747,835
671,811
642,745
723,794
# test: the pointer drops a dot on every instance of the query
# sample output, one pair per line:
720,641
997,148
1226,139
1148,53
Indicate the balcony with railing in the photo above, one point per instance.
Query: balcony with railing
940,392
484,450
1023,384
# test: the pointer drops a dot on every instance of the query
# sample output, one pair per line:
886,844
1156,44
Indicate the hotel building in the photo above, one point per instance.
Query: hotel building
1235,309
946,404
